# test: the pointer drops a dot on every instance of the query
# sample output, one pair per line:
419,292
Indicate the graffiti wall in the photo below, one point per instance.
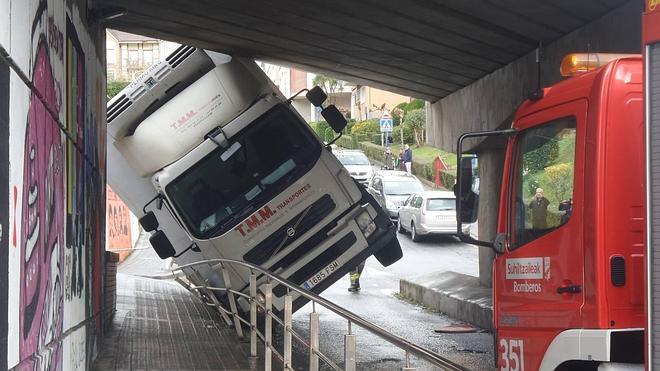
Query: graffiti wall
55,184
119,233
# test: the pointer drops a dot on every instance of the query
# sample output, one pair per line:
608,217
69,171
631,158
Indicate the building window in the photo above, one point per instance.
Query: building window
147,57
110,54
133,56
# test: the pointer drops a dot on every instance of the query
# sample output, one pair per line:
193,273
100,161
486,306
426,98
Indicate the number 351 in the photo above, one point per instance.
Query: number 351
512,355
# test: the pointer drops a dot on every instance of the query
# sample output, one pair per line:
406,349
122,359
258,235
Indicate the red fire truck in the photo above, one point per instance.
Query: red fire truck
572,287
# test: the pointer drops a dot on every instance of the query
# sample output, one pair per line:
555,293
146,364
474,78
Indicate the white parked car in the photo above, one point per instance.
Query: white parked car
357,164
431,212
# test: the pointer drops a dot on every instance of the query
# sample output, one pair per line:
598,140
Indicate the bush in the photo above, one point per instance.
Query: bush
115,86
370,126
425,170
322,129
407,134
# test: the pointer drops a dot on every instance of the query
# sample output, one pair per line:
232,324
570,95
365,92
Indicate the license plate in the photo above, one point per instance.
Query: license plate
321,275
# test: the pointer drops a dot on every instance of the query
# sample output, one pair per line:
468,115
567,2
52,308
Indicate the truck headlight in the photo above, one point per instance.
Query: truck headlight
390,205
366,224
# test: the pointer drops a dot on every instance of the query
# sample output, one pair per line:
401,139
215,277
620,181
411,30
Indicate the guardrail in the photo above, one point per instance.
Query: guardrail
188,275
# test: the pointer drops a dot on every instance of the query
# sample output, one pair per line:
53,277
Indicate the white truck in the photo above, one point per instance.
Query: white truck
240,173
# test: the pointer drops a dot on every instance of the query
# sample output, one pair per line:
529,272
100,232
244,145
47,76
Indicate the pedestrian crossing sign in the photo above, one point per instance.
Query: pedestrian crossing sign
386,124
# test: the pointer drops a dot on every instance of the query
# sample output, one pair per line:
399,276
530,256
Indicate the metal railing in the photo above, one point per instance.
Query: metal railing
188,275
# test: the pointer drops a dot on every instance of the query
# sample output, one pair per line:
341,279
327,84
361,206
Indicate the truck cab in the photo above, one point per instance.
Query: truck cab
212,154
568,277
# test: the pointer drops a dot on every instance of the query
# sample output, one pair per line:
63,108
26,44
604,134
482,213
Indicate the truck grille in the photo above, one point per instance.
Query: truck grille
310,269
299,224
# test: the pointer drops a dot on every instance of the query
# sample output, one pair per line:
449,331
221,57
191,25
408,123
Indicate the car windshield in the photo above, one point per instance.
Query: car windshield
402,187
441,204
353,159
229,184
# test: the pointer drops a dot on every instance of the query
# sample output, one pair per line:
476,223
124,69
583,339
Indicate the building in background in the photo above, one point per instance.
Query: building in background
291,80
368,103
128,55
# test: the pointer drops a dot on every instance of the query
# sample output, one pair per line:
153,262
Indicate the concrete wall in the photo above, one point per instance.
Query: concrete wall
486,103
490,102
53,236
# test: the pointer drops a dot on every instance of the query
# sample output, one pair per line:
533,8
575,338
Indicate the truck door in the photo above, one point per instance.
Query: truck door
538,280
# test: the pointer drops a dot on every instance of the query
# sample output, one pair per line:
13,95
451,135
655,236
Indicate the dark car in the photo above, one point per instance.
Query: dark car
391,188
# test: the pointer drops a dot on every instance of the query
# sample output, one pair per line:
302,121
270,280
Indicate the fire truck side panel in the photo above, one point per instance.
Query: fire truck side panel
624,224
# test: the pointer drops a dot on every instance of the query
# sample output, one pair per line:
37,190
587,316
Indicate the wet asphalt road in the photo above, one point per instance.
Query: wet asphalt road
377,303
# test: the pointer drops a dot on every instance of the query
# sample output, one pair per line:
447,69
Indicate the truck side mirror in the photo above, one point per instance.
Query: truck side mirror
316,96
149,222
465,193
162,245
334,118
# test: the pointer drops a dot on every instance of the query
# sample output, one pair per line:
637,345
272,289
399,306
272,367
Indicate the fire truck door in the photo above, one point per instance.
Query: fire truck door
539,279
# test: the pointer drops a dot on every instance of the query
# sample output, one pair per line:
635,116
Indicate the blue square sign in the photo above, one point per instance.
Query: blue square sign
386,125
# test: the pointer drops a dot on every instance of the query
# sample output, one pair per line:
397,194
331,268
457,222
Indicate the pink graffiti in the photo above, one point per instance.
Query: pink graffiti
42,226
55,38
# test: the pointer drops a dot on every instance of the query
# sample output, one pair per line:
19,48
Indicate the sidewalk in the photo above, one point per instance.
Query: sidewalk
159,325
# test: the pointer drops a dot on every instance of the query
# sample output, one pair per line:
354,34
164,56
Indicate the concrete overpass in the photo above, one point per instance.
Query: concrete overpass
472,60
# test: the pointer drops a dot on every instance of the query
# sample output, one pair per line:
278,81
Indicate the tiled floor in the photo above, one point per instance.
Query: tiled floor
161,326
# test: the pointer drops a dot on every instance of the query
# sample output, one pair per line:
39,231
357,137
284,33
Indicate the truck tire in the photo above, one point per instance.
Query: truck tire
389,254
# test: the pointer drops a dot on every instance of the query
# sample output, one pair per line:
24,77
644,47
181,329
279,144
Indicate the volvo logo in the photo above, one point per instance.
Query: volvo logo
290,232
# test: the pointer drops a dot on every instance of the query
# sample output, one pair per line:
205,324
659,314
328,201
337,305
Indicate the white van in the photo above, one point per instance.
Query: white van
240,173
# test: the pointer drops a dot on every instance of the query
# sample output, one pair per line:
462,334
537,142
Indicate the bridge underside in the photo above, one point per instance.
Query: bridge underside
424,48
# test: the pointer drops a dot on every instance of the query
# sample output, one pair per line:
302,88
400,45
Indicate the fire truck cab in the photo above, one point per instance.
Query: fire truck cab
569,274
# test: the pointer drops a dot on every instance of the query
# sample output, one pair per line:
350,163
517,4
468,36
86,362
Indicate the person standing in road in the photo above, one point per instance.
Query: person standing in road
388,162
355,278
400,165
407,159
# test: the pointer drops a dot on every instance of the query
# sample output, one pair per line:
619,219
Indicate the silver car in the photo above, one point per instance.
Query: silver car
391,188
431,212
357,164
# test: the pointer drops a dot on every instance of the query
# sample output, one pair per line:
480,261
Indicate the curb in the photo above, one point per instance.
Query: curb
457,295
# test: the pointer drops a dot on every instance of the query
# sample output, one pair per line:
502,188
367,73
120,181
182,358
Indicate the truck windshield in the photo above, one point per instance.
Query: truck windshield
229,184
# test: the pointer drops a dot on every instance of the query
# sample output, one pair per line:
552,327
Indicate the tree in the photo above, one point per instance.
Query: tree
400,111
329,84
560,180
115,86
416,119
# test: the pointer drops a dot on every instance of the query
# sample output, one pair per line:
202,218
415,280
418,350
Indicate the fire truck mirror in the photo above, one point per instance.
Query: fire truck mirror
465,192
162,245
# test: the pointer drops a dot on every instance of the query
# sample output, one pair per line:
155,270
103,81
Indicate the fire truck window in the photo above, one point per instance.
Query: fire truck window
543,189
